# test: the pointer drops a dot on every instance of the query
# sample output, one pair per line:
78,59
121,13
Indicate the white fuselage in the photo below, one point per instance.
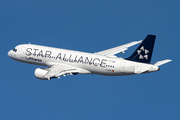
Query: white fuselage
86,63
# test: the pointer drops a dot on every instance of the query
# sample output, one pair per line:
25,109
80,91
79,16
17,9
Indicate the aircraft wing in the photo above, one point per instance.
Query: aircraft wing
59,69
111,52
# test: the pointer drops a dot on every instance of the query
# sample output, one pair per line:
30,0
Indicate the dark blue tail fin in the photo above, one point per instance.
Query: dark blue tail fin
144,52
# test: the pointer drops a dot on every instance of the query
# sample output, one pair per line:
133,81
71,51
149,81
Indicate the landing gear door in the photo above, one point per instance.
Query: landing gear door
23,52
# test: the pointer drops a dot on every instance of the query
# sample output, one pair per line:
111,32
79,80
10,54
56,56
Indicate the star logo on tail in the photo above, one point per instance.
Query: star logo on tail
143,53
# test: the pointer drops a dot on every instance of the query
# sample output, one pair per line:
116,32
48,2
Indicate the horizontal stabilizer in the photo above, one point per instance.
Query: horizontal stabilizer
162,62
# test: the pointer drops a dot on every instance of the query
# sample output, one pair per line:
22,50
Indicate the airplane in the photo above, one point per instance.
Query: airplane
62,62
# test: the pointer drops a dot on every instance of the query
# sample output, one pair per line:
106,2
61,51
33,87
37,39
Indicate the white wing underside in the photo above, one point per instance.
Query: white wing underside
118,49
58,69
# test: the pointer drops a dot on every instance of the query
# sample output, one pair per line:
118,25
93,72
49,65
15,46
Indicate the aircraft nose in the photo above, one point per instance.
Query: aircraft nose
10,53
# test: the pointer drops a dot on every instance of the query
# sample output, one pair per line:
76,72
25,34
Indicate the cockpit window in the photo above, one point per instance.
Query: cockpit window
15,50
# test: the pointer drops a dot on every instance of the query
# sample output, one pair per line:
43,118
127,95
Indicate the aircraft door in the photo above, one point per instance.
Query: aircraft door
22,55
122,67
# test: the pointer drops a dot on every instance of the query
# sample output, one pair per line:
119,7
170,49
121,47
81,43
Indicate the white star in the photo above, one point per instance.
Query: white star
145,51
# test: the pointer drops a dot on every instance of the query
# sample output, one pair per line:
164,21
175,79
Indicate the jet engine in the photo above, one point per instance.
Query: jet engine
40,73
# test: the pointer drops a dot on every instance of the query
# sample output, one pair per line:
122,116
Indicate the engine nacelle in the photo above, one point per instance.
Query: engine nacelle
40,73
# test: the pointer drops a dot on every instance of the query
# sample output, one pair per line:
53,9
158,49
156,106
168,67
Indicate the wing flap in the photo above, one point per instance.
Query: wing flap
118,49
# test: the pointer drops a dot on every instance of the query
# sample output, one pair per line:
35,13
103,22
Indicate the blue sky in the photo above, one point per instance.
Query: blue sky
90,26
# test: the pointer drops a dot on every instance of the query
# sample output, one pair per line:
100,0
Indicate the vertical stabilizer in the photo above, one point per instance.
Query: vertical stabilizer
144,52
